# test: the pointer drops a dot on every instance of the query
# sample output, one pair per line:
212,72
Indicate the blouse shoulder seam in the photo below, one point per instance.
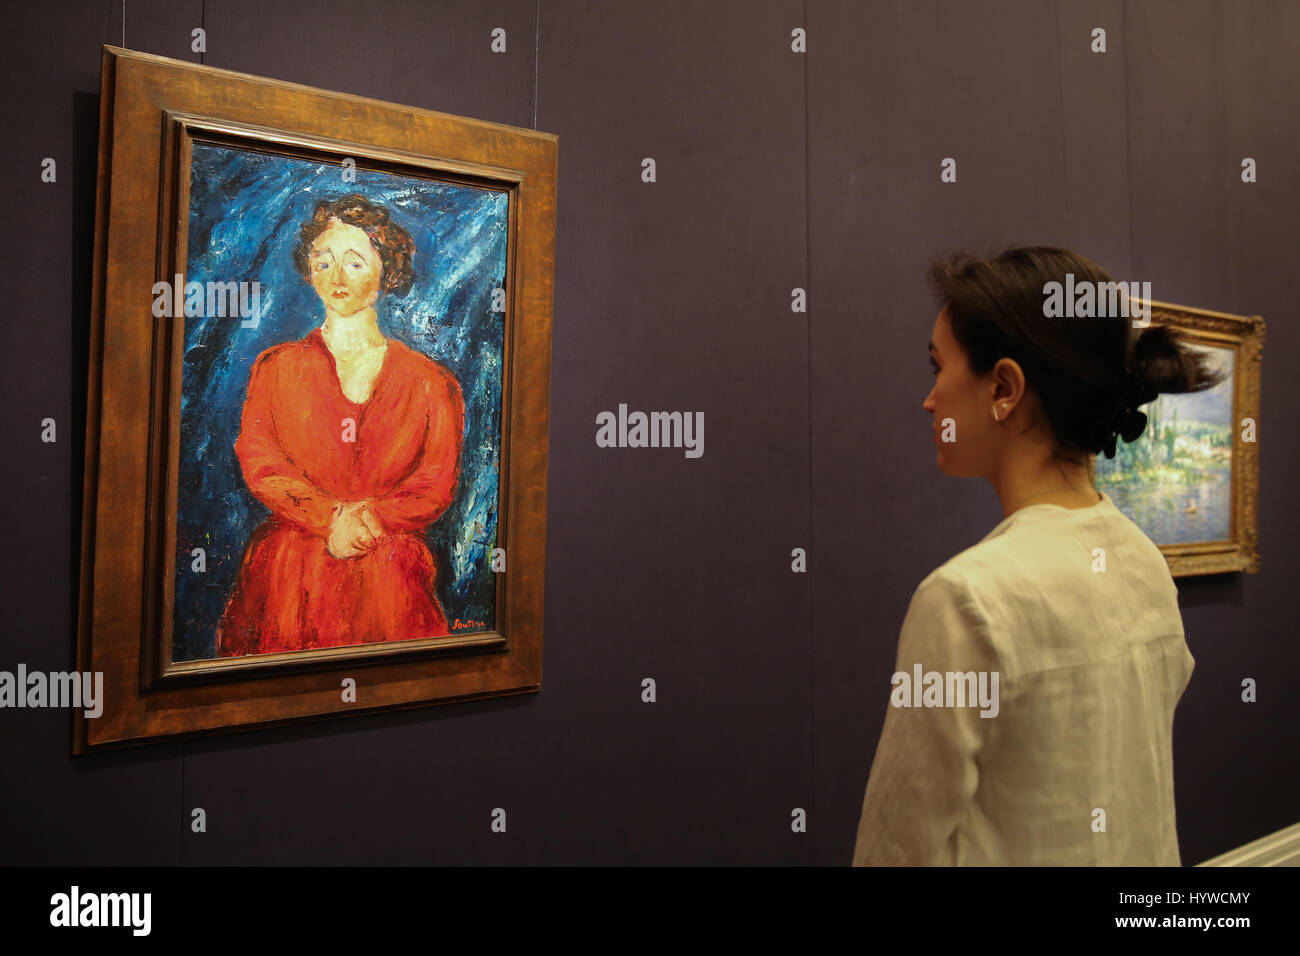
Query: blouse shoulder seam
953,578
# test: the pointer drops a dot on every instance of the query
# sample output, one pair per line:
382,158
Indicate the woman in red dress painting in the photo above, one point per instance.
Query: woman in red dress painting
353,441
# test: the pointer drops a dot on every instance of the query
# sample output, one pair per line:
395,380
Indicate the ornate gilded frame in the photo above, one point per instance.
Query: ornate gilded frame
1245,336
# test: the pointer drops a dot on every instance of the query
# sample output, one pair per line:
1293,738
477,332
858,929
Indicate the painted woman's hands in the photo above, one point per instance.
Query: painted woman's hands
354,530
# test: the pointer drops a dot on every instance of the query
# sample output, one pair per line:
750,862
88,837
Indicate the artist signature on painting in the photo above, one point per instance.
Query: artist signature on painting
459,625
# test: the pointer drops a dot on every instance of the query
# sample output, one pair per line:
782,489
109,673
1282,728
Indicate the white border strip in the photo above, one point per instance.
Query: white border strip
1277,849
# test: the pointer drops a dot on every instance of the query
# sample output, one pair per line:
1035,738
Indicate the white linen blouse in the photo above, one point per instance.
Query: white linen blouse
1077,613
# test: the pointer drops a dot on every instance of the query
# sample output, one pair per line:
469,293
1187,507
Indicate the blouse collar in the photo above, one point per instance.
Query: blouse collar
1105,505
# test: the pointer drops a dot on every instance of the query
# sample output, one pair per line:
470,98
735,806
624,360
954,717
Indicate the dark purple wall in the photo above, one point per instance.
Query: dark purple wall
776,170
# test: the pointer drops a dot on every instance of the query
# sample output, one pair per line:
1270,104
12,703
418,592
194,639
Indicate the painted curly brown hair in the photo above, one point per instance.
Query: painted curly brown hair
394,244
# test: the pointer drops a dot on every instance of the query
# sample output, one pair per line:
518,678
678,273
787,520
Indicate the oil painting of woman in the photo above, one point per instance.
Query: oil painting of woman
352,440
339,463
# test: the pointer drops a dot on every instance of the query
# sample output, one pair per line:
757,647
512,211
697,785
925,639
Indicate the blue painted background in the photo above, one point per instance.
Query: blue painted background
246,209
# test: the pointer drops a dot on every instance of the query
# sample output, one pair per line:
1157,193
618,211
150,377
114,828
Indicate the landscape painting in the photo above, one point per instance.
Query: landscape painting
1175,481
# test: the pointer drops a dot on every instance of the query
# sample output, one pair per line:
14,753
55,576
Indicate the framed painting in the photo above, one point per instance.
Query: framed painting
1191,480
318,405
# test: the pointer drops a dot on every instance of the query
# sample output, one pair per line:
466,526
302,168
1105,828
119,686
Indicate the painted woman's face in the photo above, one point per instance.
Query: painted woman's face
345,268
961,404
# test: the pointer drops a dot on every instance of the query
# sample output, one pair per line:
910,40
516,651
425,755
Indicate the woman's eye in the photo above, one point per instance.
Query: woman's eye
322,266
354,266
934,367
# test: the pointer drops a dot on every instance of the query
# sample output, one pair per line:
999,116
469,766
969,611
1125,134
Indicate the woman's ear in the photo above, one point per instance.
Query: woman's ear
1008,383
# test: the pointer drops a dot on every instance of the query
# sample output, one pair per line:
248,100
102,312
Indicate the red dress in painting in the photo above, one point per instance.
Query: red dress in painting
293,447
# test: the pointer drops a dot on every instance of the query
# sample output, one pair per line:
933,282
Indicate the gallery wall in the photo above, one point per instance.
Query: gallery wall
776,170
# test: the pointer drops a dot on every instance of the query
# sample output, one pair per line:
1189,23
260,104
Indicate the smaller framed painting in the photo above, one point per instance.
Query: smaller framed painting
1191,479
